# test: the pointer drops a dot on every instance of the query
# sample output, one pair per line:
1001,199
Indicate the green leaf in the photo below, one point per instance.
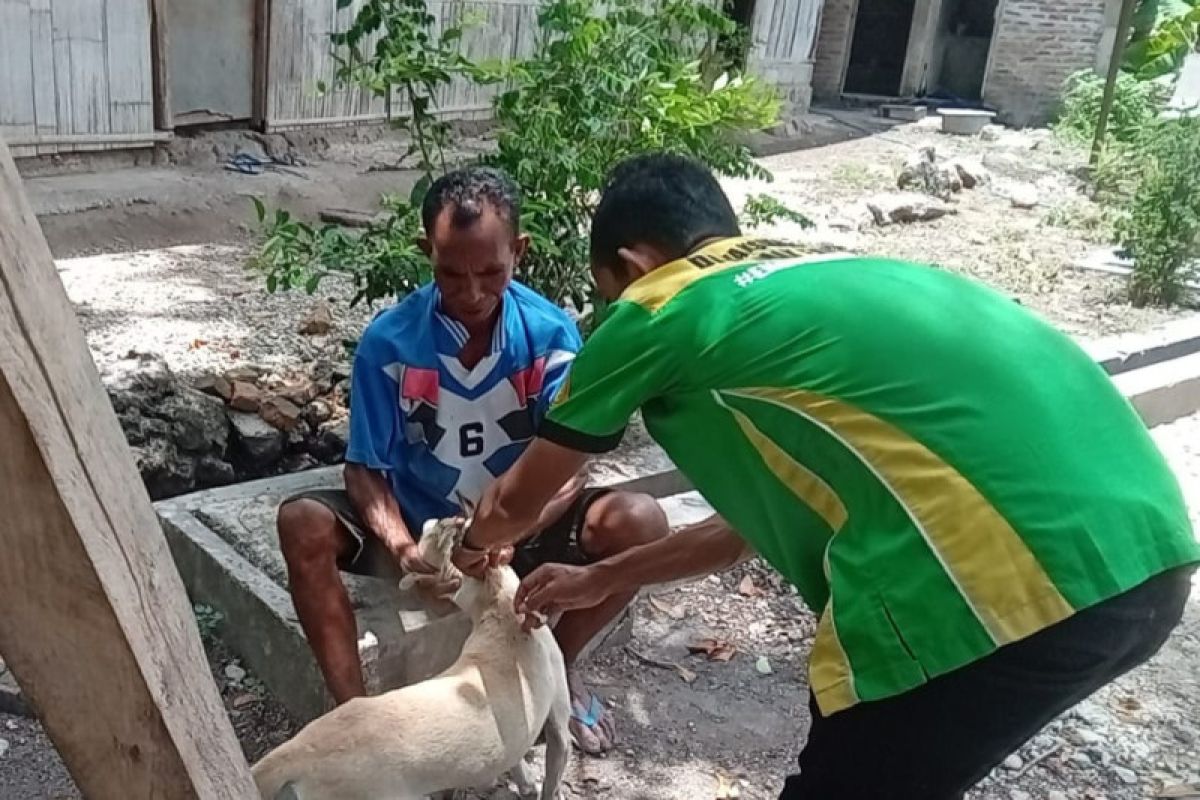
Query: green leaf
417,196
260,210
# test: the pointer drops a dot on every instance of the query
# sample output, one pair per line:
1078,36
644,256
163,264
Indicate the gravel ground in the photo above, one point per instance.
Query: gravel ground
683,726
199,307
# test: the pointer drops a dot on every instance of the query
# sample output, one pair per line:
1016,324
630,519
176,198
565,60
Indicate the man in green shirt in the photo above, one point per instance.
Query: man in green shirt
982,522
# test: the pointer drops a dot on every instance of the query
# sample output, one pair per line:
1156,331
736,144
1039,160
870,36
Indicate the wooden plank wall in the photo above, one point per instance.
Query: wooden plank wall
300,56
784,45
75,73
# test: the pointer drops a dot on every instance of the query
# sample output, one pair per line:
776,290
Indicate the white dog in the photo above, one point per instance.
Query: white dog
459,730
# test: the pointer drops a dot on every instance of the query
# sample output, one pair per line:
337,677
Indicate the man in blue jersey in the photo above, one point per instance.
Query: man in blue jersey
448,388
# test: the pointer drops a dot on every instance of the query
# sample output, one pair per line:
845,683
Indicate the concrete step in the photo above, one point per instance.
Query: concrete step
1163,392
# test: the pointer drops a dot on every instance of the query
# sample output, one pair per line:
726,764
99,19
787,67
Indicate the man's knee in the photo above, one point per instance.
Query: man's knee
308,532
619,521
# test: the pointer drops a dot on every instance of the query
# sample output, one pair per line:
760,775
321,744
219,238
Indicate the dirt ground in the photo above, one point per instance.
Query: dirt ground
685,720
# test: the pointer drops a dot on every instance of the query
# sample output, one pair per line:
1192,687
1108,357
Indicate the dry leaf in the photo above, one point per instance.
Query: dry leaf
748,588
686,674
674,612
727,788
715,649
196,344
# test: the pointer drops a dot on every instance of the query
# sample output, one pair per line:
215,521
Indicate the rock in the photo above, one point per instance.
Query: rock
165,471
299,390
1057,795
214,385
1014,762
763,666
905,207
213,471
1023,195
280,413
3,747
198,422
255,441
1018,794
1085,736
923,173
245,396
330,444
972,173
316,412
246,373
1126,775
136,379
235,673
319,321
298,462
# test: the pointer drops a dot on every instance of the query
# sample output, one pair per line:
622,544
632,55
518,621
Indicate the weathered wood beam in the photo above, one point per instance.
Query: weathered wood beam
94,622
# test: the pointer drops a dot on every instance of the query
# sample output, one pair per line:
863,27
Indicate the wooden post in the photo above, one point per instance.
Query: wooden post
1110,85
160,66
94,621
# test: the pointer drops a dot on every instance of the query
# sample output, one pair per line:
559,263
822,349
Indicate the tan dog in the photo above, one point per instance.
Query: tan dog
459,730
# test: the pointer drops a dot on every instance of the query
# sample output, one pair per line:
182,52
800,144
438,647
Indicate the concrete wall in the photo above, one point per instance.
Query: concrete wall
1037,44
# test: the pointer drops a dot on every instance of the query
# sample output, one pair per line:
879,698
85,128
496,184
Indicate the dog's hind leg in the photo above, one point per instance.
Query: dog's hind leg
558,748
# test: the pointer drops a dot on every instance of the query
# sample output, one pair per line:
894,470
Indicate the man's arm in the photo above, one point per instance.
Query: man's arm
372,498
700,549
513,504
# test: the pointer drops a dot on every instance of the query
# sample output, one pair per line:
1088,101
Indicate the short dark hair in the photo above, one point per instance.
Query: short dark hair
466,191
662,199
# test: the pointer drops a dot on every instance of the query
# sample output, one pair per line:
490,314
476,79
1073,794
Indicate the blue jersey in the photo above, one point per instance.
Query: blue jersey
436,428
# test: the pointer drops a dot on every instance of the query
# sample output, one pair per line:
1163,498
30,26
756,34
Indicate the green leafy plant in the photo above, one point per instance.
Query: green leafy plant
604,85
601,85
1135,104
763,209
1164,33
1161,229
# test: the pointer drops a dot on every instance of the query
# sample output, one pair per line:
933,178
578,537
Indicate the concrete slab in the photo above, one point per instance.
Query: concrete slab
1130,351
224,544
1163,392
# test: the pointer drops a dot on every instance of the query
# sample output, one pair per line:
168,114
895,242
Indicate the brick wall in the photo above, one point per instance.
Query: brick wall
833,45
1037,44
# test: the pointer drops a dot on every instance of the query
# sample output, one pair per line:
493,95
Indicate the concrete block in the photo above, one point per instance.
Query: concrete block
903,112
1130,351
1163,392
224,544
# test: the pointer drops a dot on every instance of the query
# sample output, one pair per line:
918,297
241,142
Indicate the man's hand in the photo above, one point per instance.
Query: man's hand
553,588
410,560
476,563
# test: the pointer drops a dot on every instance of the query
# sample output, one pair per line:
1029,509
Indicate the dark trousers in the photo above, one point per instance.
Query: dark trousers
937,741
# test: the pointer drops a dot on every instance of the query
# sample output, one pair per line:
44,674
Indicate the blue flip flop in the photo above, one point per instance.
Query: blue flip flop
590,718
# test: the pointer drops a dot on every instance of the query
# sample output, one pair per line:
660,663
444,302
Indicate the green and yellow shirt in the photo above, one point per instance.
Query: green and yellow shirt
937,470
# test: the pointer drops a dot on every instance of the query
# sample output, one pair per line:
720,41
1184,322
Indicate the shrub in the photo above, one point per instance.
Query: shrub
1135,104
1161,229
600,86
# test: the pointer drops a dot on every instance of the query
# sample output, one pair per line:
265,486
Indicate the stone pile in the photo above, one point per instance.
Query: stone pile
245,423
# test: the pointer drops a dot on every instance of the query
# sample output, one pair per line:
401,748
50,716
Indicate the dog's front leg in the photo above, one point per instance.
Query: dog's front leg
522,776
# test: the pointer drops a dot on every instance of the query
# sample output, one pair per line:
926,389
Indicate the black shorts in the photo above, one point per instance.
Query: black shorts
558,543
940,739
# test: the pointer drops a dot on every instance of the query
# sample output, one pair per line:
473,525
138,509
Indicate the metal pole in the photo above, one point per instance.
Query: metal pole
1114,69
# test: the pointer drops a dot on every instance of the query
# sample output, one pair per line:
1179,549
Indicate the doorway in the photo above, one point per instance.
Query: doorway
212,60
879,47
958,61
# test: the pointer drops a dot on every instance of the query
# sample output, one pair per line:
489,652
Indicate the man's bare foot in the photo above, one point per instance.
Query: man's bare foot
591,725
